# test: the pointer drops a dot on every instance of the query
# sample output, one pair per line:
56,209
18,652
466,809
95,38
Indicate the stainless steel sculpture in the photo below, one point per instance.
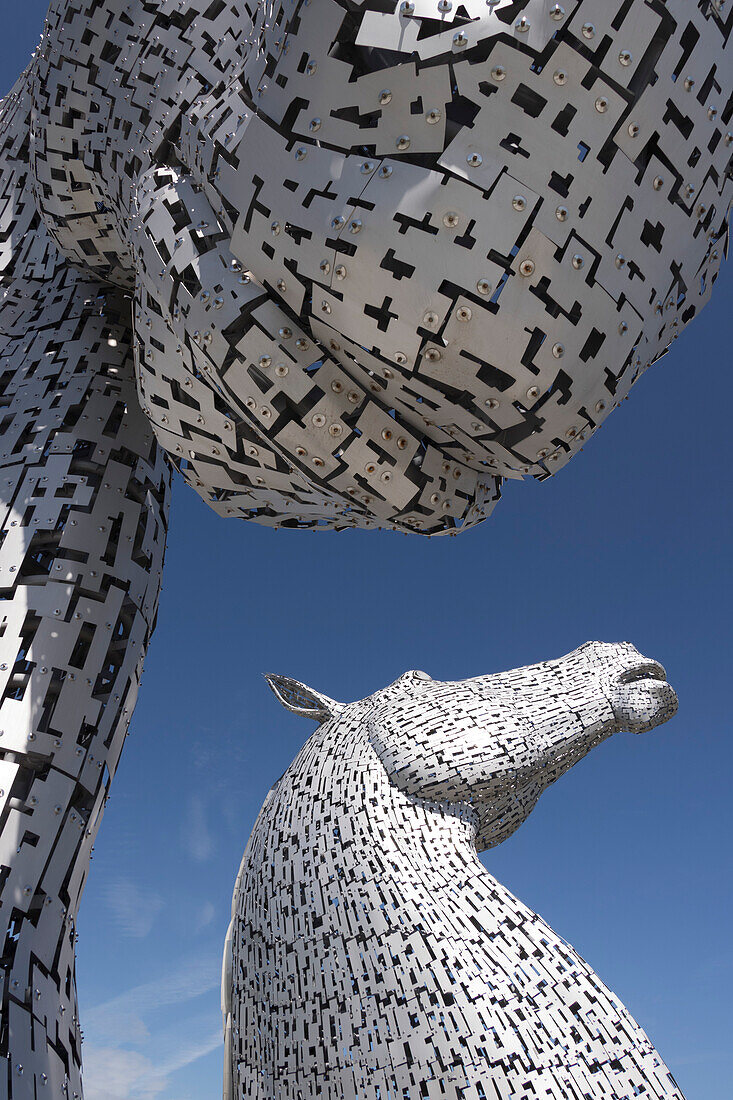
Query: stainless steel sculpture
375,260
371,954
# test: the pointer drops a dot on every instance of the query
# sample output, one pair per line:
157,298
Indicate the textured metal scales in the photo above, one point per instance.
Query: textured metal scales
343,266
370,954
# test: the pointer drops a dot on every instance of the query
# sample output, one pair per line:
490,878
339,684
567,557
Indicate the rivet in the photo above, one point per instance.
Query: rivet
519,202
433,116
337,222
558,350
284,333
633,129
557,12
712,114
310,68
588,30
433,355
460,40
623,328
601,105
430,318
325,307
625,58
264,360
526,268
385,96
300,152
463,313
689,84
314,125
275,228
403,142
578,261
450,219
561,213
385,171
356,225
340,271
498,72
483,286
560,77
366,167
658,183
522,25
400,357
407,7
533,392
600,406
475,160
324,266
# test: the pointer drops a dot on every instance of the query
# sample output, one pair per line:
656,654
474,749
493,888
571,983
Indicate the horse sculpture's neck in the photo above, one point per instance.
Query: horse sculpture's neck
376,953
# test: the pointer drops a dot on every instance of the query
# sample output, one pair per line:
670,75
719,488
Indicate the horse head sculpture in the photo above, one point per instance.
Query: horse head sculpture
361,893
386,257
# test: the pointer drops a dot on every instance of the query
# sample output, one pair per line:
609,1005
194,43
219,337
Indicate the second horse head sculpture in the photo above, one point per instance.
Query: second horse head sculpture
371,954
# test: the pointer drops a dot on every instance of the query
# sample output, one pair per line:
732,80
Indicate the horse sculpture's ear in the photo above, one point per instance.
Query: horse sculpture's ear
301,699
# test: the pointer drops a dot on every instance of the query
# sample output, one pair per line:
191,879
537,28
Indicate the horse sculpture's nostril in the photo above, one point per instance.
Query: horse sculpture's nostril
649,670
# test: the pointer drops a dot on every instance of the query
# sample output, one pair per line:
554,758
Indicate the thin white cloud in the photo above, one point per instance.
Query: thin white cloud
134,910
197,838
205,916
113,1073
132,1048
188,980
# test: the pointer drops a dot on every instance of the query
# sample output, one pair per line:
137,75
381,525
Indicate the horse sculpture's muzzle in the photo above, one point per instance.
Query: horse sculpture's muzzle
642,698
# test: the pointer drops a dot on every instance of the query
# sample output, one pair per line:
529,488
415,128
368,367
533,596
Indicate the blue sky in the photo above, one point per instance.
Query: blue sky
628,856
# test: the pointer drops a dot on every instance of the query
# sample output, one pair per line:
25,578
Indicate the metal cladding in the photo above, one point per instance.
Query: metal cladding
343,266
386,256
84,513
370,954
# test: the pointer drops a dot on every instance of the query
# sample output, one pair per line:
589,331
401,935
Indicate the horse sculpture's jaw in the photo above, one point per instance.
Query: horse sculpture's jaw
372,952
